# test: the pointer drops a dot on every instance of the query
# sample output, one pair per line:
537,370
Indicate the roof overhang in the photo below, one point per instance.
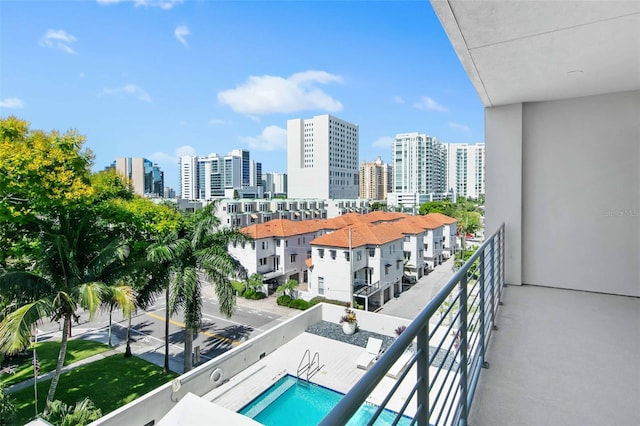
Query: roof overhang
527,51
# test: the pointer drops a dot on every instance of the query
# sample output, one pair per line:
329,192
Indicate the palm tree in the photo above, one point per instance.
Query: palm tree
288,287
83,413
254,282
203,248
76,261
119,295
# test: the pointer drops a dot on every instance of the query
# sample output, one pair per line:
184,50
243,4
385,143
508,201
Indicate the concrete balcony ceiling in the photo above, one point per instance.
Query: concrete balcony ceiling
515,51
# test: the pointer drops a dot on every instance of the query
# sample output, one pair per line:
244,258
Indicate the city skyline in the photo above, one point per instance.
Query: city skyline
161,79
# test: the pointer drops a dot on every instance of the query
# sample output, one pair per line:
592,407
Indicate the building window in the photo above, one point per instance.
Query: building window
293,258
372,252
386,269
265,245
398,263
333,254
277,242
262,261
359,255
321,285
321,253
253,245
346,256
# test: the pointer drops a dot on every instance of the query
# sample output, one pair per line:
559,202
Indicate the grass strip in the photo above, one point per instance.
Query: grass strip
77,349
110,383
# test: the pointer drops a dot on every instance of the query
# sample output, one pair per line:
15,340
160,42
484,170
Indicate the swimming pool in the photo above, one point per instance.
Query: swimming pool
288,402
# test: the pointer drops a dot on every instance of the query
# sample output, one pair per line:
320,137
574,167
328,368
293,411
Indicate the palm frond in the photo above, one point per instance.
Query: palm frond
90,296
103,259
16,328
23,286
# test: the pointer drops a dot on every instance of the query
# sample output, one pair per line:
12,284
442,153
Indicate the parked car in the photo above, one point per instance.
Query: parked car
409,279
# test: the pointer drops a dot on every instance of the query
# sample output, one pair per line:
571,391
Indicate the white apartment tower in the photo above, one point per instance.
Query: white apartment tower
215,176
465,171
375,180
419,164
322,158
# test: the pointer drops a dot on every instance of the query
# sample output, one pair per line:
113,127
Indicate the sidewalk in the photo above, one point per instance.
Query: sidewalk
411,302
48,375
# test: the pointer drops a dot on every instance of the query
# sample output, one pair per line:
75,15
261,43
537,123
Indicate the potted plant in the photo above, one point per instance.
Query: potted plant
348,320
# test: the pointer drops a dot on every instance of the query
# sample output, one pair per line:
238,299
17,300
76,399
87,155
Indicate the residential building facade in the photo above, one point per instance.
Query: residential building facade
322,158
274,184
145,176
375,180
245,212
419,164
215,176
352,255
465,169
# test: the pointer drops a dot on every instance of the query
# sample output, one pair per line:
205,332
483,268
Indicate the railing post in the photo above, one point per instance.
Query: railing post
464,376
422,415
483,311
495,266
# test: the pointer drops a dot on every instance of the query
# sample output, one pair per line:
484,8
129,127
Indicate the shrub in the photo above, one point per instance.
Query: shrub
254,295
283,300
320,299
299,304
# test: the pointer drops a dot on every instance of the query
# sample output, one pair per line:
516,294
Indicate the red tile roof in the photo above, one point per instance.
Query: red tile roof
443,219
360,235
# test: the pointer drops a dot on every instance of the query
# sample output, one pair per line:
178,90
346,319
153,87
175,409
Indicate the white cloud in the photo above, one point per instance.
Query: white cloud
462,127
271,138
384,142
269,94
11,103
129,89
171,160
430,105
398,100
162,4
59,39
181,32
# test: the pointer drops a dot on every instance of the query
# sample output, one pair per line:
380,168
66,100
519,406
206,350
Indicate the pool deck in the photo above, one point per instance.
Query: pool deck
339,372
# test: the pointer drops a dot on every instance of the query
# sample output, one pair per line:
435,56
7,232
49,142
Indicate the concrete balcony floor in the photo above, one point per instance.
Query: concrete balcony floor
561,357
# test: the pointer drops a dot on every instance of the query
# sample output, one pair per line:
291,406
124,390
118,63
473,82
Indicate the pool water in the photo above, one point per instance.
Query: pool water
289,402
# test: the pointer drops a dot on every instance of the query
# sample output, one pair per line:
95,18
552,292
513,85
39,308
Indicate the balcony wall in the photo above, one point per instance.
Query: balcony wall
561,357
564,177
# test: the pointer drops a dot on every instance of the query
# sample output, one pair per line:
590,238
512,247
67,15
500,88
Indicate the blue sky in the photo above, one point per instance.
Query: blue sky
163,78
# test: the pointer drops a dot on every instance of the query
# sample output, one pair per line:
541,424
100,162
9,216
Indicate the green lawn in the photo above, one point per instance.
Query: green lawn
77,349
110,383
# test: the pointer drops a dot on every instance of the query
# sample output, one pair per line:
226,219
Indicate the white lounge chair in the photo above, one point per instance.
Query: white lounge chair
400,365
372,350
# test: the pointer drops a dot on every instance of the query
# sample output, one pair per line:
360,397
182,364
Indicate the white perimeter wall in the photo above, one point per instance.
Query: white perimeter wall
580,191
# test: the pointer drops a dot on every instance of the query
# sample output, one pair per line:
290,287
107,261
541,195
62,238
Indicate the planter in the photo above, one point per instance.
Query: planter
349,327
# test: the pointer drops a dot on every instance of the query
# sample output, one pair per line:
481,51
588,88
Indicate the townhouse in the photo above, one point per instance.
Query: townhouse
364,261
350,256
450,232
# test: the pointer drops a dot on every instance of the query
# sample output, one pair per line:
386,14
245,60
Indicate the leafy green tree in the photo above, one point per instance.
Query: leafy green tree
83,413
288,287
40,174
444,207
76,261
378,205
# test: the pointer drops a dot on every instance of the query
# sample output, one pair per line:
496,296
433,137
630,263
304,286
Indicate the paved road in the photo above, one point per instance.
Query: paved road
411,302
217,335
